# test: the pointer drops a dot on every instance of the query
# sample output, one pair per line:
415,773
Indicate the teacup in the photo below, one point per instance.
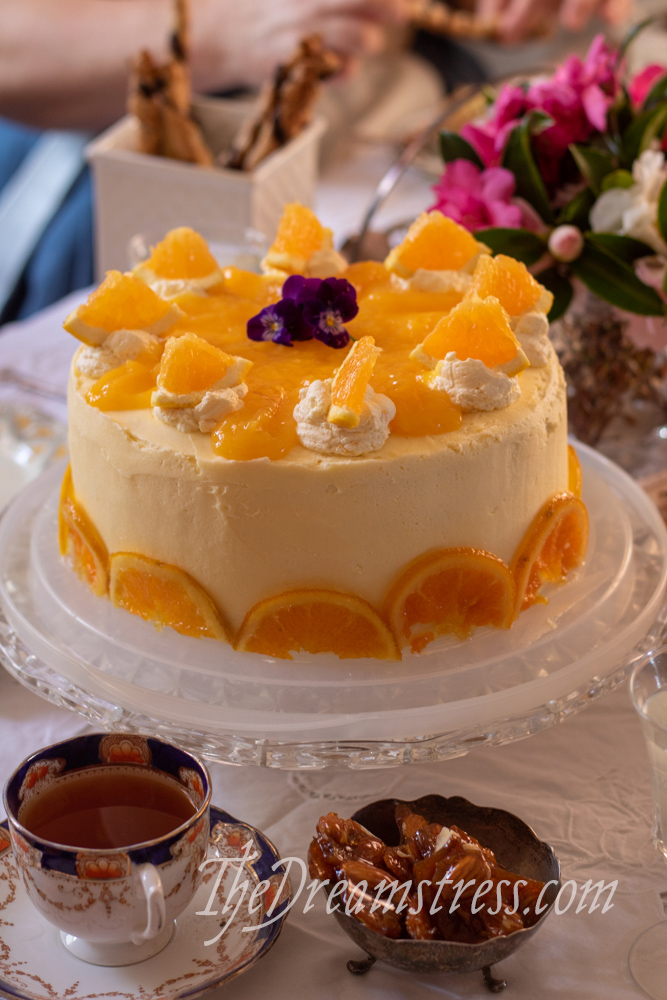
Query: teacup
112,906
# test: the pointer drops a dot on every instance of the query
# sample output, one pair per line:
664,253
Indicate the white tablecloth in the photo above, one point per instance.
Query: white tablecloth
583,786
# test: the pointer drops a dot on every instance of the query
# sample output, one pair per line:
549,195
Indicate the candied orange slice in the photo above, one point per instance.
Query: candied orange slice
190,364
510,281
574,476
316,621
182,255
554,545
122,302
435,243
477,328
449,591
163,594
348,388
300,235
80,541
128,387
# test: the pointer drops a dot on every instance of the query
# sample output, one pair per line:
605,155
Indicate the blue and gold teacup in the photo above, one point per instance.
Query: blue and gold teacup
112,906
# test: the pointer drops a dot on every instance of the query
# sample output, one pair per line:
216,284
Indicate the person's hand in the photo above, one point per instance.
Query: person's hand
519,19
241,41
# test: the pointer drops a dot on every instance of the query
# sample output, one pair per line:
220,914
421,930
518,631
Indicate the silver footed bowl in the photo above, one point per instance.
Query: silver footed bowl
516,848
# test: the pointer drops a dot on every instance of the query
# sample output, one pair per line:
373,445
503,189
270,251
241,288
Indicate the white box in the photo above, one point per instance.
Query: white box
135,192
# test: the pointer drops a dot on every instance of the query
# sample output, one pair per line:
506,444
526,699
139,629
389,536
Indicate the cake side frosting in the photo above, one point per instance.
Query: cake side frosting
246,530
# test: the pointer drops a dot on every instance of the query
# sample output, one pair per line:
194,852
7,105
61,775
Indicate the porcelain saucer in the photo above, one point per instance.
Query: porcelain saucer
208,948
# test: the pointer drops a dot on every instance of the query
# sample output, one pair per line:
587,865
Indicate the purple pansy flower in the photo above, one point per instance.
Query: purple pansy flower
280,322
310,307
326,312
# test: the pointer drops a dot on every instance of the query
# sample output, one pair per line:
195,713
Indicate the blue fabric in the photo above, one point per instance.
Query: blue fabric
63,259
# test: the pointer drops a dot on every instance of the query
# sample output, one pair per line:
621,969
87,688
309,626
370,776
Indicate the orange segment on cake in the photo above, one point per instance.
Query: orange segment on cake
476,328
510,281
525,300
435,243
303,246
198,384
181,262
122,302
348,388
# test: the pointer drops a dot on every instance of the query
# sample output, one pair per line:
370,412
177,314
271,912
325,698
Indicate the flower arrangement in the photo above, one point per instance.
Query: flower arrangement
567,173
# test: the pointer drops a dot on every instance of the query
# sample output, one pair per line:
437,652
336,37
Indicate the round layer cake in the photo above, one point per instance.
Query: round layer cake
248,530
244,486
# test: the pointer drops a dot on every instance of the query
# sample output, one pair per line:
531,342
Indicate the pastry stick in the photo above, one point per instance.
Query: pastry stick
160,97
286,105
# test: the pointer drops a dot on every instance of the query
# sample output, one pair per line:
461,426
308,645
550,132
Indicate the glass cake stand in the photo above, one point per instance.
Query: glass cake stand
317,712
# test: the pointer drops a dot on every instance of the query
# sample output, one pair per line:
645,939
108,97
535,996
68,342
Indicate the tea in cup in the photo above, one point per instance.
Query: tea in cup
109,832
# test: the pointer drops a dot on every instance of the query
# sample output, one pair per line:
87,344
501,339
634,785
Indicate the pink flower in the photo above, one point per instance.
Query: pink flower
578,97
642,84
477,198
489,137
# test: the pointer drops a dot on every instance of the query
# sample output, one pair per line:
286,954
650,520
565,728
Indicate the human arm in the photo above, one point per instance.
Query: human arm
65,64
520,18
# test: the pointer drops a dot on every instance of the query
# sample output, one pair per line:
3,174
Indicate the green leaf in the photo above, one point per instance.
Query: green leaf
617,179
624,247
453,147
561,289
631,35
518,158
613,280
576,213
662,212
593,165
518,243
647,126
657,94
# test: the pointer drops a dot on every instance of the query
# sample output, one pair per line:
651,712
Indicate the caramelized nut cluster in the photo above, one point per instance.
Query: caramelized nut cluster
438,884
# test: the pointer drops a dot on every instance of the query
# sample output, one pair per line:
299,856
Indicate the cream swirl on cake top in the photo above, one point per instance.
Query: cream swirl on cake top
303,246
180,263
198,384
474,356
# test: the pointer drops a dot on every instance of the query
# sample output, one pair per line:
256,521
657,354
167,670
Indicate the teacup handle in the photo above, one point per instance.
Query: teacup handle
157,914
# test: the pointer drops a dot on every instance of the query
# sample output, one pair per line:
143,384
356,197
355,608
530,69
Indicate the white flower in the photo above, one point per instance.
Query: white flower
633,211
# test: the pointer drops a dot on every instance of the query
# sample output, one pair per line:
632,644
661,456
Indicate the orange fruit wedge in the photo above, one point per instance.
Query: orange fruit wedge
348,388
476,328
435,243
450,591
128,387
183,255
554,545
163,594
80,541
574,475
316,621
122,302
300,235
190,365
510,281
